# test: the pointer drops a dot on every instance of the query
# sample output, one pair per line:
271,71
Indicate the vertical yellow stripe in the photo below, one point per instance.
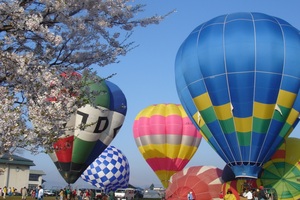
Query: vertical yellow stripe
294,114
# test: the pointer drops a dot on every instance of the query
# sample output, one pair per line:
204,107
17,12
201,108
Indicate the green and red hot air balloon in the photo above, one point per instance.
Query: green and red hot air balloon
92,128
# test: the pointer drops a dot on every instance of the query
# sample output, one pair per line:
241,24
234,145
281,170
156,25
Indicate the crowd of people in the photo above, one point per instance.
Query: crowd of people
8,191
11,191
63,194
256,194
79,194
68,194
253,194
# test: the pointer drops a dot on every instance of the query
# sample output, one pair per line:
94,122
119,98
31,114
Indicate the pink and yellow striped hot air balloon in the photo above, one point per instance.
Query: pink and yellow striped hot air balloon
166,138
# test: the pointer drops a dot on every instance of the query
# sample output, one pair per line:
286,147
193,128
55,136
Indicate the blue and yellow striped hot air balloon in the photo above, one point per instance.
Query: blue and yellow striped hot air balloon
238,78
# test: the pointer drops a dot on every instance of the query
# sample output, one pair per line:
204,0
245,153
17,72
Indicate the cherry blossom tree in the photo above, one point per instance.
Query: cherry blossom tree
39,40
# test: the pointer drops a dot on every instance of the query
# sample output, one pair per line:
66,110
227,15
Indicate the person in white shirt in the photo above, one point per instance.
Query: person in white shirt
190,196
248,194
40,193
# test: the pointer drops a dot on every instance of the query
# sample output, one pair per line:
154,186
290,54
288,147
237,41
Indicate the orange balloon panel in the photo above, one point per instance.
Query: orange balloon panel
204,182
166,138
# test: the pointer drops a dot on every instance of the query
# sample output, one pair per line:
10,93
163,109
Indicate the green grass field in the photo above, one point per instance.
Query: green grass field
45,198
28,198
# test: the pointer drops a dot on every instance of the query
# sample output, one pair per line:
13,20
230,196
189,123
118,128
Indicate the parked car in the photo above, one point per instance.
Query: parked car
125,193
120,194
48,193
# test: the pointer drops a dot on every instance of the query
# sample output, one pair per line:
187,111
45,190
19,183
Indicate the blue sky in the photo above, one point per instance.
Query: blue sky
146,74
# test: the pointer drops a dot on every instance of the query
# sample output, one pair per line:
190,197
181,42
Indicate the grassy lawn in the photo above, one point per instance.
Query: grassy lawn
28,198
45,198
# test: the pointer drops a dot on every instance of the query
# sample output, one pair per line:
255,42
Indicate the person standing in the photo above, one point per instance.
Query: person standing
24,193
68,193
40,193
36,192
229,195
4,192
86,195
248,194
261,193
92,194
32,192
255,193
190,196
78,194
9,191
221,195
61,194
111,195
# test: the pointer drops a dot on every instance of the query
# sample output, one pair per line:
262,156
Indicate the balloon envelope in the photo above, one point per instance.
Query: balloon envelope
166,138
228,175
204,182
109,171
114,121
238,185
91,131
282,172
238,78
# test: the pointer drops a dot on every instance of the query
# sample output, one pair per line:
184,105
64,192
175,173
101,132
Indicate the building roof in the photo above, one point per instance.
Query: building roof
15,160
39,172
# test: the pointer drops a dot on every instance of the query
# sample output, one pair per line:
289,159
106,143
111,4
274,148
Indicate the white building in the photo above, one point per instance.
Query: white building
15,173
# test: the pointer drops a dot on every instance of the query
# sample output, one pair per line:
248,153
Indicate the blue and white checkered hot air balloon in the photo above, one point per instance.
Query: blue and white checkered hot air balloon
109,171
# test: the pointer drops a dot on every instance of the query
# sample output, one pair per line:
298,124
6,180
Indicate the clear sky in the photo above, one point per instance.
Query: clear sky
146,75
